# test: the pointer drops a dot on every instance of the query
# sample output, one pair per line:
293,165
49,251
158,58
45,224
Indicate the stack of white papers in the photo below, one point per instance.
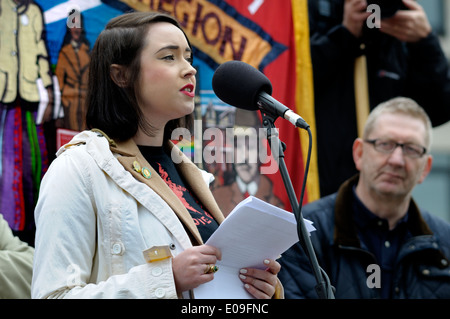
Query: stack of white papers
252,232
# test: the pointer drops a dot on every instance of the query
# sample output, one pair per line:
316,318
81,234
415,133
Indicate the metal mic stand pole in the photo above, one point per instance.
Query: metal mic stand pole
323,290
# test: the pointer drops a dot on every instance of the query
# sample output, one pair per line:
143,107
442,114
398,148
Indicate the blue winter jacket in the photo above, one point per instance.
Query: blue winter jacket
422,268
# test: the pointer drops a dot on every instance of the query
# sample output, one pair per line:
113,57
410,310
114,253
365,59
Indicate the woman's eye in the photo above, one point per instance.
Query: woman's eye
190,59
169,57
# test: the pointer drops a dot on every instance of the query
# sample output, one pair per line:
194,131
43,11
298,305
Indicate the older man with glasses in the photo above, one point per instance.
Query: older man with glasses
372,239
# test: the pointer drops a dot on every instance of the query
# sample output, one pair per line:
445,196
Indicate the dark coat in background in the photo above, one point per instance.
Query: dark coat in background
422,269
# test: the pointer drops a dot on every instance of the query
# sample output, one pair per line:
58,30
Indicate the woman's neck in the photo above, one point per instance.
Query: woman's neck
143,139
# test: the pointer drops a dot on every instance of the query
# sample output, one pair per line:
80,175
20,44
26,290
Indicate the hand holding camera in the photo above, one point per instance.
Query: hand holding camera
355,16
409,25
403,19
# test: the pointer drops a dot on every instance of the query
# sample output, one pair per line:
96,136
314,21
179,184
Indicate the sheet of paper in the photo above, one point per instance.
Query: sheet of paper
252,232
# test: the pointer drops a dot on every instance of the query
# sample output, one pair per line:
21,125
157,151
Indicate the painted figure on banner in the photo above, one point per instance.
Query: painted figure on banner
245,177
72,71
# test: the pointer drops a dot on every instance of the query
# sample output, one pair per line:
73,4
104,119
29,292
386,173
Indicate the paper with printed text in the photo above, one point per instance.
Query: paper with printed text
252,232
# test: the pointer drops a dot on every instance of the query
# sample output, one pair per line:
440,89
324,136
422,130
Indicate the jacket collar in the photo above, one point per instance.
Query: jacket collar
345,230
128,152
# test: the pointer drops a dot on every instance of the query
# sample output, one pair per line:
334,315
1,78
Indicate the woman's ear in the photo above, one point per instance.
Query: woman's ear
118,75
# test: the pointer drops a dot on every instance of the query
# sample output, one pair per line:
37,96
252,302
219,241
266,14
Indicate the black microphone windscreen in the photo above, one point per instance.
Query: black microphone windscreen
238,83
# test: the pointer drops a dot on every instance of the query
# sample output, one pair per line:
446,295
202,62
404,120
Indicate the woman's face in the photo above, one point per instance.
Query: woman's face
167,78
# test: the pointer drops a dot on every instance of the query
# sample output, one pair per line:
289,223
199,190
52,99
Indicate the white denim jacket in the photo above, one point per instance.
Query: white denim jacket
96,215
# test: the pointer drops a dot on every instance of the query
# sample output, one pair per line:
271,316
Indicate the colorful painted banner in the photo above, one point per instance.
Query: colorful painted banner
272,36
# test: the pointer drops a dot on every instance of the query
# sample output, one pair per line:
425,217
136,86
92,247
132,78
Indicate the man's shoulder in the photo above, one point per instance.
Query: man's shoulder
324,204
437,225
321,213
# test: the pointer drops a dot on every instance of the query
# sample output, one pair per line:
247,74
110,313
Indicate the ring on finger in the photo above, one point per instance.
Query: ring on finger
210,269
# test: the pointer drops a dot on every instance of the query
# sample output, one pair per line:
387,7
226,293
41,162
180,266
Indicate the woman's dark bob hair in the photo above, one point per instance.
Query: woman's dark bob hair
111,108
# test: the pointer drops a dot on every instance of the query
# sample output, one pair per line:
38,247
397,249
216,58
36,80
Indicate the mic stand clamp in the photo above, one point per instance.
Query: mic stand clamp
323,289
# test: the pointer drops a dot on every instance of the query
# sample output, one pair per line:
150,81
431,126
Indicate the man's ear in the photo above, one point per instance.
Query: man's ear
118,74
427,168
357,152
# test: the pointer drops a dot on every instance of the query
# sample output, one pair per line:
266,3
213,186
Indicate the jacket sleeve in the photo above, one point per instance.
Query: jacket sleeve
16,261
296,274
41,49
67,243
138,283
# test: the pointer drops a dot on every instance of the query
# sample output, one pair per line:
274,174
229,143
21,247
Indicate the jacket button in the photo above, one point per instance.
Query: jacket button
172,246
157,271
159,293
426,272
117,249
444,262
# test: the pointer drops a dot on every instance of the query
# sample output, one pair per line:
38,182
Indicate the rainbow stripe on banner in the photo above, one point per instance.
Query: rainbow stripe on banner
186,146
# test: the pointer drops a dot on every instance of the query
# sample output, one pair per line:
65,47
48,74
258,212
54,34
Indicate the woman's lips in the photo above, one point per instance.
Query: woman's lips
188,90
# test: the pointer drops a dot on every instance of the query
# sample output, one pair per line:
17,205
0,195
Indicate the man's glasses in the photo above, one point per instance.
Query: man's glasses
388,146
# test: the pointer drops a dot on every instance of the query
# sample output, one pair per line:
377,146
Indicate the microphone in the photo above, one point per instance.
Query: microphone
241,85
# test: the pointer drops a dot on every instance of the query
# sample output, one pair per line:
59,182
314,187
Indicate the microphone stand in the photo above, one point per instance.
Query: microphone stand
323,288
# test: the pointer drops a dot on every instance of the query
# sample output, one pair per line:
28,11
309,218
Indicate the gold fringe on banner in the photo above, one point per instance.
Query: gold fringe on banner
304,98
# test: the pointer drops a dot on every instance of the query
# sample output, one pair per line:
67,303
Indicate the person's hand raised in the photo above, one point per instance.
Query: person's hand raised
355,15
407,25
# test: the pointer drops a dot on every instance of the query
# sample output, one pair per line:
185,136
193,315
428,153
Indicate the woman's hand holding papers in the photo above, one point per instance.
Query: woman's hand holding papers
189,266
261,283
